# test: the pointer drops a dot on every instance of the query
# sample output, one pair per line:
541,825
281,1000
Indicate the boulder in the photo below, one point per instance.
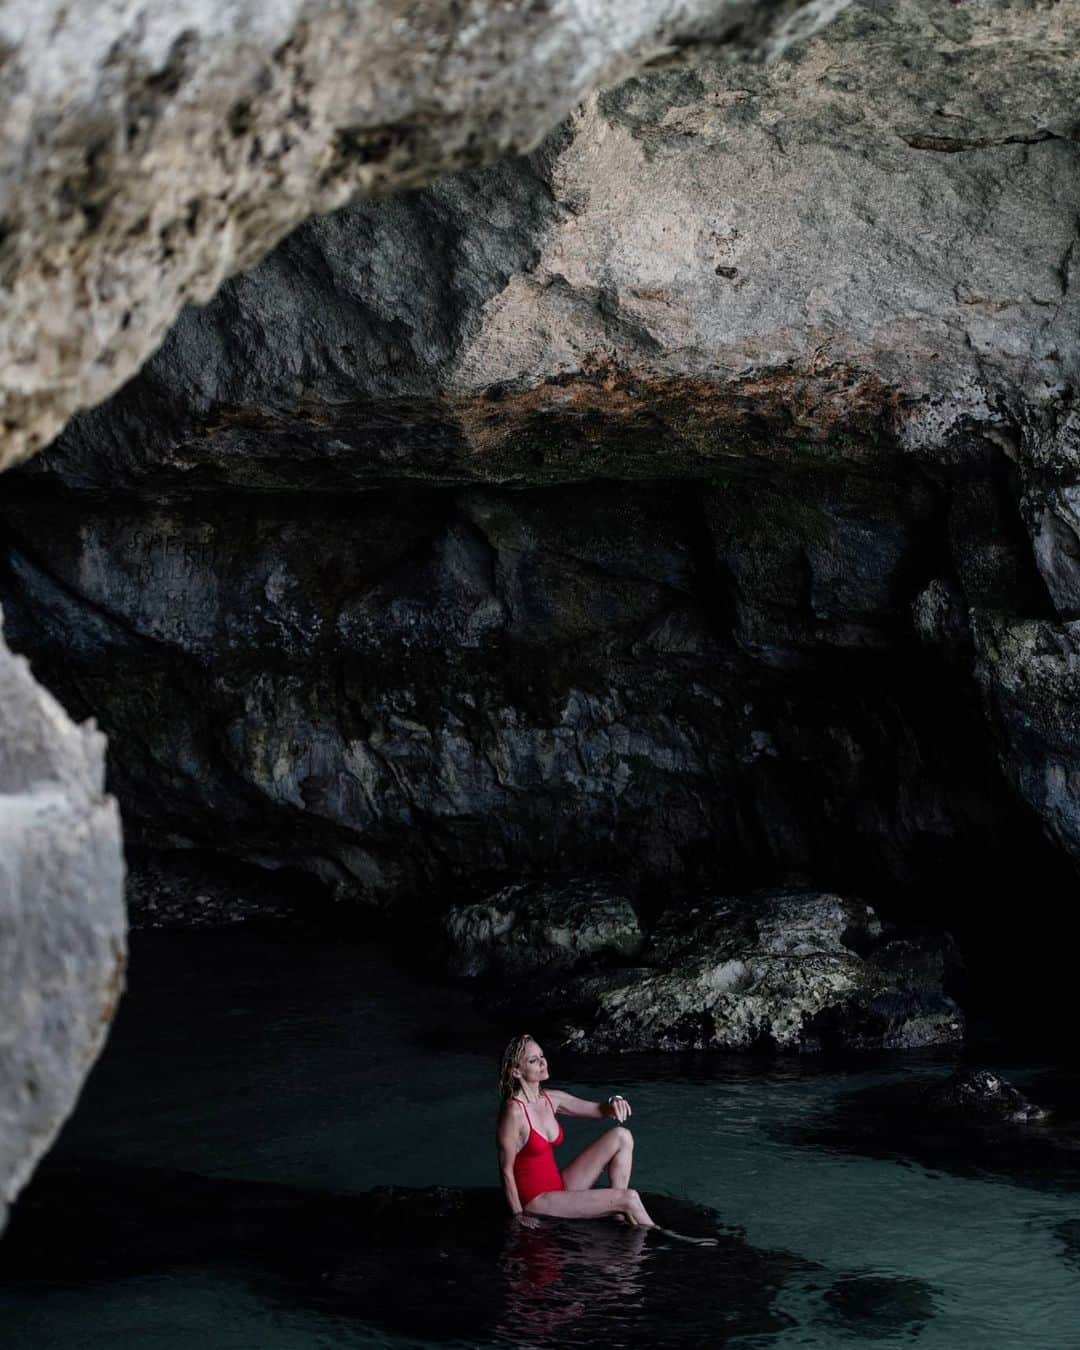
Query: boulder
795,970
62,924
969,1123
977,1095
534,927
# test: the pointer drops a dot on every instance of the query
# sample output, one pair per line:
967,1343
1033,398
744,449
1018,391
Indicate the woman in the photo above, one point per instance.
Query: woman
528,1132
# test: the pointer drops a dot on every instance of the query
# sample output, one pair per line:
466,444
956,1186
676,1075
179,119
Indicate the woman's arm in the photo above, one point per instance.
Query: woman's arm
616,1109
507,1142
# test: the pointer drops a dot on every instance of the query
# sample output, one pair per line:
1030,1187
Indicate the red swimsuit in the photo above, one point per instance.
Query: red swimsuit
535,1169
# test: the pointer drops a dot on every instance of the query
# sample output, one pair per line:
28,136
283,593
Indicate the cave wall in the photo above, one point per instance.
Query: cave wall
418,693
691,497
147,150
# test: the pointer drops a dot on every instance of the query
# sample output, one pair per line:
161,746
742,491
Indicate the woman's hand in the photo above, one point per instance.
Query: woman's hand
618,1108
527,1220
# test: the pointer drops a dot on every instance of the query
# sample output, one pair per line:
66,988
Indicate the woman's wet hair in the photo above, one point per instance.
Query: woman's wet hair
511,1055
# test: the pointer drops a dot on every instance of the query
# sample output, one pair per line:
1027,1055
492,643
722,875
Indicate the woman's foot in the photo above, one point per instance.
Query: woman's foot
685,1237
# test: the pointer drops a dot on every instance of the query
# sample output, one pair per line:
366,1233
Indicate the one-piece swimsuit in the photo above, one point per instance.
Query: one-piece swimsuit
535,1168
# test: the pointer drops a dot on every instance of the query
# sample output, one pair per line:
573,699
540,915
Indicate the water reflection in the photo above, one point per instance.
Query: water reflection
556,1274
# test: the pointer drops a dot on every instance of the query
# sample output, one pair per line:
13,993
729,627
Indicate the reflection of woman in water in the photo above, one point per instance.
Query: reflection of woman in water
529,1131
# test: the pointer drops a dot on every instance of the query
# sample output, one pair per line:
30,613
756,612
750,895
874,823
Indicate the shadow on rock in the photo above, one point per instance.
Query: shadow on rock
437,1263
971,1123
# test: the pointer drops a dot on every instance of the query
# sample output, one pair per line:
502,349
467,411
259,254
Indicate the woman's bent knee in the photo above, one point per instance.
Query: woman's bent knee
623,1136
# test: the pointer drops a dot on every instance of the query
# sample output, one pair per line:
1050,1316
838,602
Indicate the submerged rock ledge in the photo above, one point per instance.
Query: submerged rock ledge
440,1263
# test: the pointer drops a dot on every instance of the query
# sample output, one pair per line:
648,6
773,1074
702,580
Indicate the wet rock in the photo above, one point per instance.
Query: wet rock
439,1263
788,969
62,923
981,1095
534,927
961,1124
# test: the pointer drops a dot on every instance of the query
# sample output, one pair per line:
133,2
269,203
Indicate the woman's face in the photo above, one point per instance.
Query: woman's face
532,1066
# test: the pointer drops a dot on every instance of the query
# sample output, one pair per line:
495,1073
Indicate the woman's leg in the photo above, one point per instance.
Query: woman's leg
613,1150
591,1205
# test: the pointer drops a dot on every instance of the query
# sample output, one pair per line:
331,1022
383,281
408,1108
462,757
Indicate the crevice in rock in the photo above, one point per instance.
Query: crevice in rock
952,145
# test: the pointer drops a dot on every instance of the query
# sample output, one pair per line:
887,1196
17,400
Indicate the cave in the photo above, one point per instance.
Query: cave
622,462
563,519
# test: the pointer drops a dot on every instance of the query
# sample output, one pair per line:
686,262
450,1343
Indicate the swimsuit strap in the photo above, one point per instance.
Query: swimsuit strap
524,1108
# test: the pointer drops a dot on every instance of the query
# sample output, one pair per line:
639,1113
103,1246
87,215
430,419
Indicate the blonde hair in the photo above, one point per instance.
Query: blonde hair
511,1055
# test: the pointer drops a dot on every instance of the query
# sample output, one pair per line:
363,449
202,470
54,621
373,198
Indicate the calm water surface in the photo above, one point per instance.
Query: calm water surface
316,1063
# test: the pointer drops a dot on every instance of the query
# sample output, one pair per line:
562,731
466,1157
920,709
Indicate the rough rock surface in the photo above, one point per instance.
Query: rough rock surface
961,1125
820,311
150,149
981,1095
432,693
863,248
791,970
62,929
350,574
147,150
189,889
533,927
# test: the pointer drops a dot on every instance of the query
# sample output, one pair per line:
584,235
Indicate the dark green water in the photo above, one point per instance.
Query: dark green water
313,1063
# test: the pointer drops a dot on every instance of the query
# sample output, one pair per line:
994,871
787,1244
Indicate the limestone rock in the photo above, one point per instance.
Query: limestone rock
62,930
435,690
862,249
823,310
371,538
149,150
532,927
787,969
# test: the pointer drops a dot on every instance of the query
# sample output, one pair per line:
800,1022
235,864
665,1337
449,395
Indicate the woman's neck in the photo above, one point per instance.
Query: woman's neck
523,1091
